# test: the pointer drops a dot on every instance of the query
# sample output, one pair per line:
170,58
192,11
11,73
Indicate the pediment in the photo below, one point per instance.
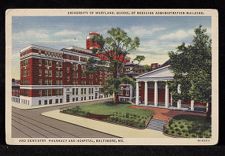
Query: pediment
163,72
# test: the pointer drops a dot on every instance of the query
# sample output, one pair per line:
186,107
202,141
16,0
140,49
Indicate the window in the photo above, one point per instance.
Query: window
67,98
50,73
89,90
76,98
60,100
49,92
84,90
68,78
57,73
46,73
39,102
46,62
56,101
40,81
68,69
50,101
83,75
127,92
73,91
40,62
49,62
76,91
76,75
81,98
84,98
40,72
81,91
73,99
44,92
46,82
40,92
46,102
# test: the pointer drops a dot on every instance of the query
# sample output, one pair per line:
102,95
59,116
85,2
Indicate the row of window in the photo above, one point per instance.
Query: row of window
50,101
23,101
127,92
48,92
75,91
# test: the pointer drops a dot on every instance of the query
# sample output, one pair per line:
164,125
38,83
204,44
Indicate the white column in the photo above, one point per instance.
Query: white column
156,94
146,93
207,107
137,92
166,95
192,105
179,101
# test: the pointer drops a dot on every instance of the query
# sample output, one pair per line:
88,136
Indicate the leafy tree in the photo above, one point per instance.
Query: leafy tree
139,58
114,48
191,65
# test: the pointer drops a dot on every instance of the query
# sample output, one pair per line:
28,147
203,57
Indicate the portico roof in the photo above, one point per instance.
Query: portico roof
159,74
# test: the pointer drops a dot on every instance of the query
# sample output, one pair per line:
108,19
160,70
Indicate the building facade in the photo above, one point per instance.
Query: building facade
126,92
50,76
152,90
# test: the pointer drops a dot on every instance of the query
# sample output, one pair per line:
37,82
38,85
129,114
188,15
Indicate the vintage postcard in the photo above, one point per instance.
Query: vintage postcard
111,77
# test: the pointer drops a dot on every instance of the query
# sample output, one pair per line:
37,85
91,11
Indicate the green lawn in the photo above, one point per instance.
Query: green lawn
110,108
114,113
189,126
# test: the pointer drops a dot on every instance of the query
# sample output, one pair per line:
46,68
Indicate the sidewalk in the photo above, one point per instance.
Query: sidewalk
113,129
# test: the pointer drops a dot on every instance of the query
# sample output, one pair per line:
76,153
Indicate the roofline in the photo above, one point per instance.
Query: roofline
152,71
78,53
40,47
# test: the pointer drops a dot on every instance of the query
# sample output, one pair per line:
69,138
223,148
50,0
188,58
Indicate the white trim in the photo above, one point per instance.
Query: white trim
36,55
152,71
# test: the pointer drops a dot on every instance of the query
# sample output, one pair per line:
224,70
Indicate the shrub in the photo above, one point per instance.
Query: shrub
181,126
177,129
193,135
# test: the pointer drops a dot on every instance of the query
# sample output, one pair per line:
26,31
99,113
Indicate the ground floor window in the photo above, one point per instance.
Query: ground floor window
56,100
67,98
46,102
39,102
84,98
81,98
76,98
60,100
50,101
73,99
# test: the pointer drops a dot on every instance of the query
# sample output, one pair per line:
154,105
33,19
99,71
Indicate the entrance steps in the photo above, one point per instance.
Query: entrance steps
156,124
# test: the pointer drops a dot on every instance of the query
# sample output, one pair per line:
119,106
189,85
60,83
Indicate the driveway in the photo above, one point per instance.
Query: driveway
29,123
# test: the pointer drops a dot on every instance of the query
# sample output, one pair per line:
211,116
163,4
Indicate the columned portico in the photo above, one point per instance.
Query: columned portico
152,89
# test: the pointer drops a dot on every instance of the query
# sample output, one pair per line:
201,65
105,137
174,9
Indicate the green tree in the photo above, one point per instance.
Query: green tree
139,58
115,48
191,65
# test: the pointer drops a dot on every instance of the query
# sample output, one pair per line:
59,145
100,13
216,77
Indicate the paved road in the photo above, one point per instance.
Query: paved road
31,124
